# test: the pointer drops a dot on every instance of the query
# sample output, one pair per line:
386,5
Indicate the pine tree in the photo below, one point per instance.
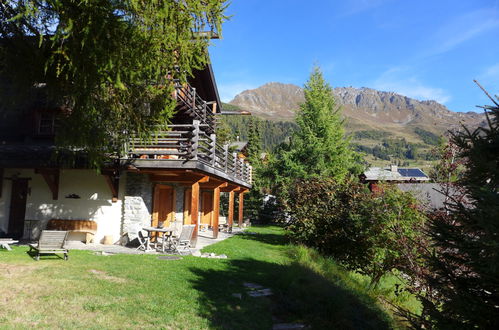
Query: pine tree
464,270
254,199
254,146
319,148
110,63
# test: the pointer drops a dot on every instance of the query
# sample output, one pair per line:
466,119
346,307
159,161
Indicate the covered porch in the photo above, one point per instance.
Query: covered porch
185,197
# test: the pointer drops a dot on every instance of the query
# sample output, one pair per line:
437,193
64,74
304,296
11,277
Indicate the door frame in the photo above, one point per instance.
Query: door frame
19,209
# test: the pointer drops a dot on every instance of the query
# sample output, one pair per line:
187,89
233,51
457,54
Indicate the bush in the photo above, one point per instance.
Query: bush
369,233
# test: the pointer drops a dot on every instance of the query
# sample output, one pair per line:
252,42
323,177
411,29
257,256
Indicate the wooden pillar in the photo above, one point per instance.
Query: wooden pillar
216,211
241,203
195,211
230,220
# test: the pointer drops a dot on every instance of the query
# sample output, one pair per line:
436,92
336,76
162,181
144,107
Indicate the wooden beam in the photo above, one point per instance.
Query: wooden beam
189,179
230,219
241,205
113,182
216,211
230,187
195,211
213,185
51,177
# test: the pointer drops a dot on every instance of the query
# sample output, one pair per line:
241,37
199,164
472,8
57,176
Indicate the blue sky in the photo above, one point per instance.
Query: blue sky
425,49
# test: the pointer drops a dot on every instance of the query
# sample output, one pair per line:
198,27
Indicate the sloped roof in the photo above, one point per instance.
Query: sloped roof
431,195
396,174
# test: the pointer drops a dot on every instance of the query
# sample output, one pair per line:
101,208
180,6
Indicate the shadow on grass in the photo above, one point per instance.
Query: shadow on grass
299,295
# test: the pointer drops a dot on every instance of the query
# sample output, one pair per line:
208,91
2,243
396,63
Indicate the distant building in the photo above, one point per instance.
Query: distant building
393,174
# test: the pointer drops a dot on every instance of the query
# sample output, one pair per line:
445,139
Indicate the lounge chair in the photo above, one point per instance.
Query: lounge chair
183,241
50,242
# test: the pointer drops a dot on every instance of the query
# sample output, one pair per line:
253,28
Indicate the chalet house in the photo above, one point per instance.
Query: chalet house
393,174
175,179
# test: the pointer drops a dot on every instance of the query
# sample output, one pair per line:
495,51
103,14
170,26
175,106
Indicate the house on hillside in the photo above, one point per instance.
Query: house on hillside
393,174
175,178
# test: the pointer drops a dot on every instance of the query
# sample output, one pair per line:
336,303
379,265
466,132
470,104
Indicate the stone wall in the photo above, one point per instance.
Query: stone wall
137,203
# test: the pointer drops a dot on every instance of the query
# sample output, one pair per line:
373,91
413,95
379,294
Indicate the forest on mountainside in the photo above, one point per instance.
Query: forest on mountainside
385,147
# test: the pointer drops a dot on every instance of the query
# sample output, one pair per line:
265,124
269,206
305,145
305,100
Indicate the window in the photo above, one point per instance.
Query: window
47,123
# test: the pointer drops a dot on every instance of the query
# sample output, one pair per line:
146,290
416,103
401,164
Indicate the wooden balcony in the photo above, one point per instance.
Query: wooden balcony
189,146
192,105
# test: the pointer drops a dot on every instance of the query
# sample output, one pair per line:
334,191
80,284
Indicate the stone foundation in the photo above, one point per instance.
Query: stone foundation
137,204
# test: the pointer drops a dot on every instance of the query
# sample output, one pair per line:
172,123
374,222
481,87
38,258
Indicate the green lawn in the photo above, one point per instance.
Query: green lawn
139,291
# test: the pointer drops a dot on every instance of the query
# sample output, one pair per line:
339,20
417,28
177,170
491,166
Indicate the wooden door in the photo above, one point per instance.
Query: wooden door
207,208
17,212
164,205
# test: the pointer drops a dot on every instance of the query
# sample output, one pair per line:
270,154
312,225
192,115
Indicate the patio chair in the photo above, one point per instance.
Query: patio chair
50,242
183,241
144,241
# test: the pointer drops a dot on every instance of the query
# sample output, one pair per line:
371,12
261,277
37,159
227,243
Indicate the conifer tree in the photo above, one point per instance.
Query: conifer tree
464,270
109,64
254,146
319,148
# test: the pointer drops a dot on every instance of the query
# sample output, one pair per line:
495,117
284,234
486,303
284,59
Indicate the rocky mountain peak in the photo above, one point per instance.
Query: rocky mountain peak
362,107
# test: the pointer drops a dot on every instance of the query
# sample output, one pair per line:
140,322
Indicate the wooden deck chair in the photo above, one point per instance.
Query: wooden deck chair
50,242
183,241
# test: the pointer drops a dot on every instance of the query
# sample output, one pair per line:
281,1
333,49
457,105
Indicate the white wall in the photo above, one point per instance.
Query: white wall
94,202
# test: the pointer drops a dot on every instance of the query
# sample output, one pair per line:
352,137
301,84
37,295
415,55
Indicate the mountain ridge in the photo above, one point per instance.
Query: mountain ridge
363,108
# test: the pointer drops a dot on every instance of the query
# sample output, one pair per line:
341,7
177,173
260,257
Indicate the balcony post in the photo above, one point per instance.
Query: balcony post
213,148
195,140
193,98
205,108
234,155
226,157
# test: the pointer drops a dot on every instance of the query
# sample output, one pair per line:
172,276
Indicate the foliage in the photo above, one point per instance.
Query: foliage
371,134
397,148
272,133
319,147
366,232
254,199
463,272
450,166
254,146
109,64
224,134
428,137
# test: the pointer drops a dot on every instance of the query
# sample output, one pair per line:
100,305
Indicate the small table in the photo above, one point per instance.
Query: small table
4,242
166,234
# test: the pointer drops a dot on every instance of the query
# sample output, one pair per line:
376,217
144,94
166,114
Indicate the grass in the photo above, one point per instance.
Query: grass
140,291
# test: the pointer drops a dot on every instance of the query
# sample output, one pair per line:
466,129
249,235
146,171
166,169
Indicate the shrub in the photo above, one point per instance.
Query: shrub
369,233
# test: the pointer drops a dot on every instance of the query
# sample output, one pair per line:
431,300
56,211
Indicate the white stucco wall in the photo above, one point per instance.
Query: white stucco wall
94,203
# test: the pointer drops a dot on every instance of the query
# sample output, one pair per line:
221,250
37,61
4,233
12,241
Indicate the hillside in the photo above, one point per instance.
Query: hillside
376,120
363,108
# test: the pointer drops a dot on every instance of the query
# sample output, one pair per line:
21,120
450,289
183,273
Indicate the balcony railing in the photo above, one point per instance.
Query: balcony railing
193,105
191,142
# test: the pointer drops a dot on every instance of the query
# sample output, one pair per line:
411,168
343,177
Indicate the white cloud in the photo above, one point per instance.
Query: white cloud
229,91
401,80
463,28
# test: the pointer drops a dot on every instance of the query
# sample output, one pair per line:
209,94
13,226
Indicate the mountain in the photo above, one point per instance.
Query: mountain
363,108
